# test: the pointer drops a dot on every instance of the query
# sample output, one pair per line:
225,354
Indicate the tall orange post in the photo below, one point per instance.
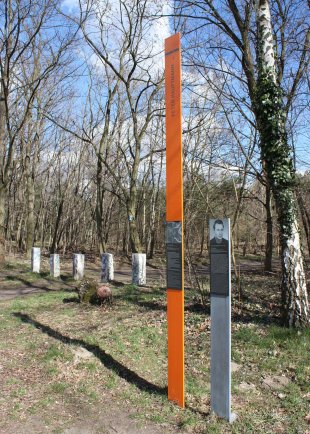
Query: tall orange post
174,217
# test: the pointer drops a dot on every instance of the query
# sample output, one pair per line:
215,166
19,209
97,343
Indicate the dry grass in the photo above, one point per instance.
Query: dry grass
60,358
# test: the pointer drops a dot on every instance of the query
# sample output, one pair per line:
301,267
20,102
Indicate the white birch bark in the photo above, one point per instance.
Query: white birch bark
294,289
294,281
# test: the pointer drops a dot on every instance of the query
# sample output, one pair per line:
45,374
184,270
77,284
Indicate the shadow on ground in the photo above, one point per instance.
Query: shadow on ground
41,280
244,312
71,300
106,359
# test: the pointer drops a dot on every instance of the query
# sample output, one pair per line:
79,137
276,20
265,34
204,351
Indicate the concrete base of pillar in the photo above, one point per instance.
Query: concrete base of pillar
107,267
35,259
78,266
55,265
139,269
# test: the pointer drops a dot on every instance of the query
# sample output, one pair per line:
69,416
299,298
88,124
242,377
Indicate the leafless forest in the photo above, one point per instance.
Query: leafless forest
82,125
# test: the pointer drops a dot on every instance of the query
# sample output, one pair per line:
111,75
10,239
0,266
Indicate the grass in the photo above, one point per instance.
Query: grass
125,355
59,387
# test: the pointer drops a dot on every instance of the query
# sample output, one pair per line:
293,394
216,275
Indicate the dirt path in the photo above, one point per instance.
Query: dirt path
84,418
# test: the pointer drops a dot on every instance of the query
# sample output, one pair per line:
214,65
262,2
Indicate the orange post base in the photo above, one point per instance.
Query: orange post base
175,315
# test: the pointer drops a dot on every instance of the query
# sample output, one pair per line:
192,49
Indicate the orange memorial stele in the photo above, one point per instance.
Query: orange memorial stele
174,213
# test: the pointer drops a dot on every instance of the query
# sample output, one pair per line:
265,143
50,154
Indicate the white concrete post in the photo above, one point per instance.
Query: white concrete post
139,269
107,267
35,259
78,266
55,265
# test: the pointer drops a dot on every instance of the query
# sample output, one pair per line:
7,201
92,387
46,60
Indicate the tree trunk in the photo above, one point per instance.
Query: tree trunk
152,244
294,289
44,227
2,218
304,215
143,232
150,238
118,229
125,240
101,242
30,207
269,234
19,232
280,173
134,238
99,206
108,220
57,224
202,239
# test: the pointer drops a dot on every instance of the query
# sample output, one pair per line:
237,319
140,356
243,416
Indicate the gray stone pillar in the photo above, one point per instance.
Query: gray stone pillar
107,267
78,266
55,265
220,280
35,259
139,269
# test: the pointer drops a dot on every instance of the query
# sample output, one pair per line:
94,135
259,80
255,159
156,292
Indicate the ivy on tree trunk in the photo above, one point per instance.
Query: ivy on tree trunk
278,163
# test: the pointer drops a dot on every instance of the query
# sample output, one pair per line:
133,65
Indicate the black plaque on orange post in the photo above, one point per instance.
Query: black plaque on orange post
174,255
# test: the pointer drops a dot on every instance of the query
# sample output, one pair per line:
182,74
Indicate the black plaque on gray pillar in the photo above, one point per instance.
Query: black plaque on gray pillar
219,257
174,255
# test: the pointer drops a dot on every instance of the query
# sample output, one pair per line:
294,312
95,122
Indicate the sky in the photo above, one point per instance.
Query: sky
157,30
154,44
151,47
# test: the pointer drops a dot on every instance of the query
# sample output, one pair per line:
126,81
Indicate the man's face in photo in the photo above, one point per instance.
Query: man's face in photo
219,230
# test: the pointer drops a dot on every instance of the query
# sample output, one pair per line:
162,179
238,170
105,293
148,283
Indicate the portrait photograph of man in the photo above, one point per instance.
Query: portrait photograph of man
218,234
219,256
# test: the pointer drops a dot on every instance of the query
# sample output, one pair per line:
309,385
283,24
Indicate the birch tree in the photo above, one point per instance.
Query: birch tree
276,155
257,67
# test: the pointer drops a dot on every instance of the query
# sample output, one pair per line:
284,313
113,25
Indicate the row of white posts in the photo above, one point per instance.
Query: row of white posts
107,266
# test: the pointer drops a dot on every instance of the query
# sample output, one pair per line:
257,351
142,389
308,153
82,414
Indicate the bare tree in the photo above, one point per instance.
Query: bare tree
128,67
256,92
23,23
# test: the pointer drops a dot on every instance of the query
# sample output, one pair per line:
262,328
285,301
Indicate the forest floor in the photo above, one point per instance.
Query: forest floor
75,369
